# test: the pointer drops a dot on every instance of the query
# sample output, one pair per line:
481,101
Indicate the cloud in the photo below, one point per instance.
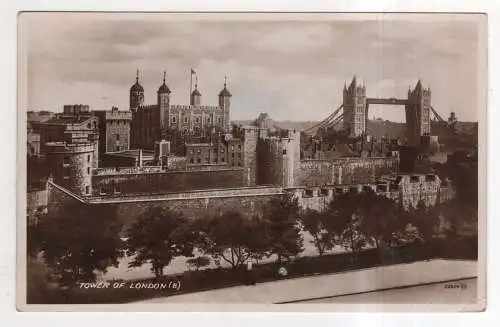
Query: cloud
292,70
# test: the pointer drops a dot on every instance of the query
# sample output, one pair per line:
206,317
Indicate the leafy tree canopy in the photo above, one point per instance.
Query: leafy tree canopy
157,237
79,240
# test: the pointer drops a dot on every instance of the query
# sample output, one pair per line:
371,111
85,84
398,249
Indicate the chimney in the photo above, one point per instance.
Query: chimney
140,158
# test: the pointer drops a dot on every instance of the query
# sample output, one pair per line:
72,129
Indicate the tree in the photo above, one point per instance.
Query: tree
281,217
231,237
259,240
78,240
462,218
425,219
344,221
157,237
380,222
316,224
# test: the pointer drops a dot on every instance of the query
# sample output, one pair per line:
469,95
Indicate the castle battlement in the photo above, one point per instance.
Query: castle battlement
64,147
194,107
118,115
147,107
127,170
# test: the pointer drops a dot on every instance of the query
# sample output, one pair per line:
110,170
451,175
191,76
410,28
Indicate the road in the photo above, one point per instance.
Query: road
457,292
334,287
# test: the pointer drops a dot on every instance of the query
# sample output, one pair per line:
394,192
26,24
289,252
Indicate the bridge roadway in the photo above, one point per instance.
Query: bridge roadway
393,101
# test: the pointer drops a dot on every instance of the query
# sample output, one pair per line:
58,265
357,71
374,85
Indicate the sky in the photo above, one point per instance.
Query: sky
291,67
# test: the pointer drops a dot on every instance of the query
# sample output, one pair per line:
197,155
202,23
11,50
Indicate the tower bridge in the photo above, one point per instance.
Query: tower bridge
352,114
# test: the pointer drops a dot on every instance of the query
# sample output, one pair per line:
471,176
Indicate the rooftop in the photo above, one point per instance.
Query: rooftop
64,120
132,153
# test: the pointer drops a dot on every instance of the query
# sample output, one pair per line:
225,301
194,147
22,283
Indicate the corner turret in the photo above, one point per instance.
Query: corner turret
136,94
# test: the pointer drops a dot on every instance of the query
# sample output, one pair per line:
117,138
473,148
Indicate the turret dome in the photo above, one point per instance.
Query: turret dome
164,88
137,87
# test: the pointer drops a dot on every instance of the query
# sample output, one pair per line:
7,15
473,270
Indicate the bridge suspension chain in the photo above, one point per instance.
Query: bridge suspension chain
331,120
439,118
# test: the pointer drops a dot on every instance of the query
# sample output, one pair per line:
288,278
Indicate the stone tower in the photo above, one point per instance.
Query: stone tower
250,139
278,160
354,101
70,165
164,106
136,94
225,104
418,119
195,95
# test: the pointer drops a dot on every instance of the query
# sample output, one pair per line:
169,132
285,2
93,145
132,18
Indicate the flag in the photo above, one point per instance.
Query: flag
192,71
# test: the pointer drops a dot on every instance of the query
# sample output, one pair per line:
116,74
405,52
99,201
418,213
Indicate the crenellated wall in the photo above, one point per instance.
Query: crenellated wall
250,200
154,180
313,172
194,204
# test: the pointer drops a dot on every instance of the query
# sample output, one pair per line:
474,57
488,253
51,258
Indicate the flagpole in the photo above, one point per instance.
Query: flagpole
190,84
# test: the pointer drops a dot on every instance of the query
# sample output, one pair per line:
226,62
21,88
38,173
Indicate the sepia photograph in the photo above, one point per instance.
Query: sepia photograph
282,160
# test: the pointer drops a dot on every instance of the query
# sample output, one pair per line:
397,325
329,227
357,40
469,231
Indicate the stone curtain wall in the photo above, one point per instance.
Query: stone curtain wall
166,182
195,204
344,171
58,197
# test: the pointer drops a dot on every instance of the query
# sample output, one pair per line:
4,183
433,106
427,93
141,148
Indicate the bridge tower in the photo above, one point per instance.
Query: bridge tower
354,101
418,119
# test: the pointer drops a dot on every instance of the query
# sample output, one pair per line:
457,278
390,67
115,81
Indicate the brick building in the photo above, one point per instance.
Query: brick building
114,130
75,125
227,151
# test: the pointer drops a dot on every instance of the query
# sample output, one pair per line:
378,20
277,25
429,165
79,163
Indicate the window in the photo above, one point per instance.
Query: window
117,148
308,193
222,159
199,160
88,125
65,160
117,189
185,119
118,137
197,119
414,179
220,120
208,120
284,151
88,170
87,190
239,147
191,160
102,191
88,158
207,160
66,172
173,119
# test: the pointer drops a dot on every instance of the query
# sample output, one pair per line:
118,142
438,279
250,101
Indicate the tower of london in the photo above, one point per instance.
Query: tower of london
154,122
